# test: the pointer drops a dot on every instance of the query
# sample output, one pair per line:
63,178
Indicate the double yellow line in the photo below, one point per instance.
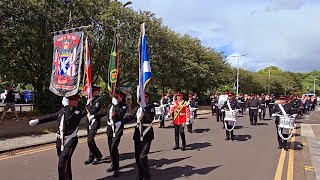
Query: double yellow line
41,149
282,158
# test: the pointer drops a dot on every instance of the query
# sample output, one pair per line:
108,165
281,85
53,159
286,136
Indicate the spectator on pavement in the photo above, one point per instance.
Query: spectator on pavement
10,103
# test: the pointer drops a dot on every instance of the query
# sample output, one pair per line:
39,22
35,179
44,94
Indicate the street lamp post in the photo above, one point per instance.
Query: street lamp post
238,56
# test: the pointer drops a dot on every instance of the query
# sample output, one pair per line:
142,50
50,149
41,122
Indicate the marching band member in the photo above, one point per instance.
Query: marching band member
164,103
262,107
253,105
192,103
142,139
115,113
181,113
68,119
289,110
233,105
92,127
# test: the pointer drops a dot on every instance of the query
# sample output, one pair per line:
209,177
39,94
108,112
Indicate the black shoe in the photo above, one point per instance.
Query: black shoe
255,123
116,173
96,161
251,123
279,147
175,148
110,169
139,178
285,148
232,138
183,148
89,161
227,139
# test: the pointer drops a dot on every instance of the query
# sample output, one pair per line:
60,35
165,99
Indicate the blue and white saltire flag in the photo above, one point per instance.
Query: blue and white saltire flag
144,66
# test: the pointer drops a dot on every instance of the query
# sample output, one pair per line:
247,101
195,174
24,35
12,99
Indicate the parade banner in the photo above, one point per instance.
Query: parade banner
144,66
67,60
113,68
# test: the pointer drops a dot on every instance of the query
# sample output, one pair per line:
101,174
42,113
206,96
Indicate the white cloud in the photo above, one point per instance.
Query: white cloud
285,33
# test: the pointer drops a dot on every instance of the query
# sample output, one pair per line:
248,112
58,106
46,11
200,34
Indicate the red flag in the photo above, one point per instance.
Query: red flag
87,89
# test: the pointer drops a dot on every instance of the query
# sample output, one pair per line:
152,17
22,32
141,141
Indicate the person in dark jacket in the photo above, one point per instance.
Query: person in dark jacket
288,108
143,136
68,119
115,113
253,105
262,108
233,105
10,103
92,127
193,104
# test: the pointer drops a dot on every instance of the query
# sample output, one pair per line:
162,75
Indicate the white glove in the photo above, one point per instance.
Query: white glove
114,101
91,117
247,109
259,110
140,113
273,115
33,122
118,124
65,101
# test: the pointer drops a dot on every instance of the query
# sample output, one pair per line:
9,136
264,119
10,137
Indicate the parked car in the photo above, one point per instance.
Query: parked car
27,96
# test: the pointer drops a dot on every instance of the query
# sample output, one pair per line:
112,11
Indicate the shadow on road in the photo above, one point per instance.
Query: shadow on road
238,127
197,146
260,124
296,145
158,173
202,118
267,119
245,137
201,130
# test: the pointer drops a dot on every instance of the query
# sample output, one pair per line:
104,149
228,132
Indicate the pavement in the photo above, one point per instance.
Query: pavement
253,155
310,132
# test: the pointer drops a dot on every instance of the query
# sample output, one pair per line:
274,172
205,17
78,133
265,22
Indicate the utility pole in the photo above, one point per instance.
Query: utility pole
238,56
269,81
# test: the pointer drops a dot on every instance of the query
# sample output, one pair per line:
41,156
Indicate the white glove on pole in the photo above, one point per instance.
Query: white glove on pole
140,113
65,101
91,117
114,101
33,122
118,124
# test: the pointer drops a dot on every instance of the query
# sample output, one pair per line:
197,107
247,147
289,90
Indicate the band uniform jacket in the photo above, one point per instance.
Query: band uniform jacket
148,117
119,112
94,109
263,104
253,103
233,104
287,108
184,114
271,103
72,118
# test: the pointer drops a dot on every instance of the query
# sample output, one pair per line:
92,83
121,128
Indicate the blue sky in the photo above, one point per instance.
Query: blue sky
284,33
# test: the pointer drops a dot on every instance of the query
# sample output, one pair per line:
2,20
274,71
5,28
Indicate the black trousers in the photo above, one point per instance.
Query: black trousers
228,133
64,164
220,115
213,110
243,108
270,111
262,114
94,151
253,113
142,149
282,143
179,129
113,143
189,126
